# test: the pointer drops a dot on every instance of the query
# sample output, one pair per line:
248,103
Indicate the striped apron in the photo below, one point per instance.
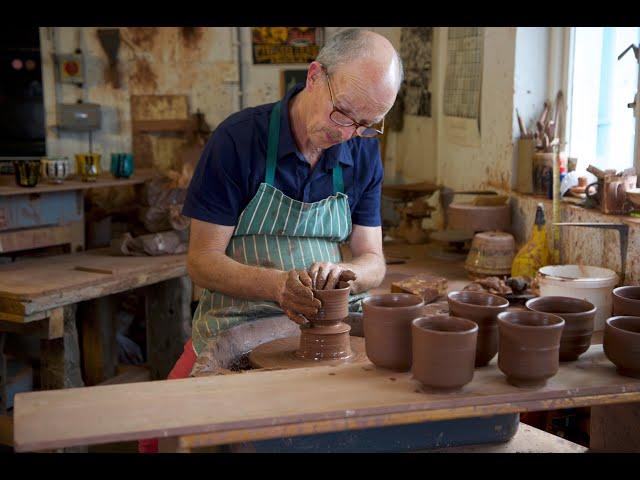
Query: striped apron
276,231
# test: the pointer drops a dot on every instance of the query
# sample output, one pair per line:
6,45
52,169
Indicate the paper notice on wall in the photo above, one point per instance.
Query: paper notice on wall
463,85
462,131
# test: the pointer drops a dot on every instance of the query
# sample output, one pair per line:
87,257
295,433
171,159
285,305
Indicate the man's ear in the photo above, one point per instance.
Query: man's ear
314,74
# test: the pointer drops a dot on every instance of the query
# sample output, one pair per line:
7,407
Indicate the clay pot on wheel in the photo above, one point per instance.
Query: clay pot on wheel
387,328
579,317
328,337
444,351
626,301
621,344
482,308
529,346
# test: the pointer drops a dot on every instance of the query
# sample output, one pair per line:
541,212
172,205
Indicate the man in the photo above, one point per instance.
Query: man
279,186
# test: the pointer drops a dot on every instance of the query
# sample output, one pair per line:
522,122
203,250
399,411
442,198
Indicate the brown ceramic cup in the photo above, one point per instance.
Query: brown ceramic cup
621,343
578,316
387,321
444,351
482,308
529,347
626,301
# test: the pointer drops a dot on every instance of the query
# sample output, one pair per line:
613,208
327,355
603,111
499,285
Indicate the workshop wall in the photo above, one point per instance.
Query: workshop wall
198,62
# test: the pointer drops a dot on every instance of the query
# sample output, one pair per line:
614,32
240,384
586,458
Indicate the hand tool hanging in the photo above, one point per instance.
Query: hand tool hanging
110,41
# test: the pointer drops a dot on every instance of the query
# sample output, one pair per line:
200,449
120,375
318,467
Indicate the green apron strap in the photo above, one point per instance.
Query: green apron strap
272,145
338,182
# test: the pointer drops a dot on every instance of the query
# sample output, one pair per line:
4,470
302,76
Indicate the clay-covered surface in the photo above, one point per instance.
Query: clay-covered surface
578,315
482,308
621,343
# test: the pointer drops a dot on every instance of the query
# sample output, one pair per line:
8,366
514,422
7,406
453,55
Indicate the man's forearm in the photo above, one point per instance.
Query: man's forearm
220,273
370,270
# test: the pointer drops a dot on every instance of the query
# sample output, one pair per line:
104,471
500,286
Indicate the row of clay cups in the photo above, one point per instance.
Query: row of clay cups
443,350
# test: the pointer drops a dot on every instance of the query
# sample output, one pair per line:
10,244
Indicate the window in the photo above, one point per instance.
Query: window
601,127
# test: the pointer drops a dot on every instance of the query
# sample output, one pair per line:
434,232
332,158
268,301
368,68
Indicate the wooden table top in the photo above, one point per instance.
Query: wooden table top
38,284
267,404
263,404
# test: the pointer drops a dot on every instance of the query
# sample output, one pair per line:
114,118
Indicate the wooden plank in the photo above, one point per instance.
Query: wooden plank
150,126
46,328
99,346
30,238
34,285
168,314
60,357
615,428
357,395
6,430
159,107
8,186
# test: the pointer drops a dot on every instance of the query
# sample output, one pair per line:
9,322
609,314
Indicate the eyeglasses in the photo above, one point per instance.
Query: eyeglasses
344,120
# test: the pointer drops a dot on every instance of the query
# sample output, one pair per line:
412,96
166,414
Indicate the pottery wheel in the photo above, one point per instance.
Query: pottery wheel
280,353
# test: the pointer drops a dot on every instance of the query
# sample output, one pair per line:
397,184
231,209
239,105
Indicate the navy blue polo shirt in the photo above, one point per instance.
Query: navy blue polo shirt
233,164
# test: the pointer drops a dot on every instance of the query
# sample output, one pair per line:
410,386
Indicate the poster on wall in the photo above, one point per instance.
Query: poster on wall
415,51
273,45
463,85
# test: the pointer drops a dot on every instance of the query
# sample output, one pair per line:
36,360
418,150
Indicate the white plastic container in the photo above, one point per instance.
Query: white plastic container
593,284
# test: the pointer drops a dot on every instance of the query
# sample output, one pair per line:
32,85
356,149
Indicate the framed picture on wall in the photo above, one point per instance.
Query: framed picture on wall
289,78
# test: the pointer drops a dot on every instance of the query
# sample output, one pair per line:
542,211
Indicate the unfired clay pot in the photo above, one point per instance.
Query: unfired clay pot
529,347
387,328
328,337
483,308
621,344
444,351
578,315
626,301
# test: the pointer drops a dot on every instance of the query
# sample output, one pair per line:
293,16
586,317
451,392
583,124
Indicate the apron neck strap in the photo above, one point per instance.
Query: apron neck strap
272,153
272,144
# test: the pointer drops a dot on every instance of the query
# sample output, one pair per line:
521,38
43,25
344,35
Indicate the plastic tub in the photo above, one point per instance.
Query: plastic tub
593,284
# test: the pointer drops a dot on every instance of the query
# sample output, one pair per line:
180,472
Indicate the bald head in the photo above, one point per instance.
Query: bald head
365,50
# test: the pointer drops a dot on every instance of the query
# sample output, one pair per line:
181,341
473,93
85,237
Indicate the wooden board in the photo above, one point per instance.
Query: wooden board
270,404
9,187
34,285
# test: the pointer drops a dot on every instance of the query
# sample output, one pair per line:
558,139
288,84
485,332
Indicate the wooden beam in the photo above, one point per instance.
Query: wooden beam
48,328
6,430
615,428
98,332
168,314
60,357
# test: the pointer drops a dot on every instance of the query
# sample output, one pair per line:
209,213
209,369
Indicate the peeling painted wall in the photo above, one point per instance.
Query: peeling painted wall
199,62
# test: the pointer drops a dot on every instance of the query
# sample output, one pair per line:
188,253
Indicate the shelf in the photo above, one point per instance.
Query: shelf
8,185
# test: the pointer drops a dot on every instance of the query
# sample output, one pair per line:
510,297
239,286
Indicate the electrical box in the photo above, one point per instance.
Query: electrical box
81,117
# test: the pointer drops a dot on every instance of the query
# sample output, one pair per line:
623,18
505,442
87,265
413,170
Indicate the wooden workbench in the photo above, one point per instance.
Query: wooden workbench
41,296
256,405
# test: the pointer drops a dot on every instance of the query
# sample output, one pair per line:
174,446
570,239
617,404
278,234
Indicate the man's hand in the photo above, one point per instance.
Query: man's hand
296,298
327,276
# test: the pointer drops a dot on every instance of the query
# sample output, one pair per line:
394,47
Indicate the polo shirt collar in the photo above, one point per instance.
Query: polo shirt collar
287,145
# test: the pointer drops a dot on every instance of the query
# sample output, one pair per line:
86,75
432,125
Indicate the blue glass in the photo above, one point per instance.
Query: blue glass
122,165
